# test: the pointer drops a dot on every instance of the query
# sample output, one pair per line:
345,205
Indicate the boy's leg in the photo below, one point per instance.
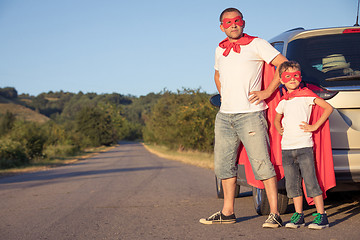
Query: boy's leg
321,221
319,204
298,203
293,186
297,219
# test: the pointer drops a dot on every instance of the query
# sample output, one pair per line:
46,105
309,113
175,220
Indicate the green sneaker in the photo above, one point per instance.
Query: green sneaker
320,221
297,220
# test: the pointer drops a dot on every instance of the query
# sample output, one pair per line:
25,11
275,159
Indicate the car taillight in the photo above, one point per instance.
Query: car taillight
321,92
352,30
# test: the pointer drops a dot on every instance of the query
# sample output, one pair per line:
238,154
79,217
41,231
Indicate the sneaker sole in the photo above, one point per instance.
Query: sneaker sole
204,221
269,225
294,226
317,227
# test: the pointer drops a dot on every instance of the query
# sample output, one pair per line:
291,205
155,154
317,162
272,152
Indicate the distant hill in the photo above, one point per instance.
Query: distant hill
20,111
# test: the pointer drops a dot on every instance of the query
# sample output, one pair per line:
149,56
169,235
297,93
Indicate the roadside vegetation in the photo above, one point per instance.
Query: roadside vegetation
53,127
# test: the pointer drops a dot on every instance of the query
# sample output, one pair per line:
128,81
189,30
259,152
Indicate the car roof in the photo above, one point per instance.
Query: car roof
301,33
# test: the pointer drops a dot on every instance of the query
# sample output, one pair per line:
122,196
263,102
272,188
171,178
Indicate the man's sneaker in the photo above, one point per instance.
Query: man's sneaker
297,220
320,221
273,221
219,218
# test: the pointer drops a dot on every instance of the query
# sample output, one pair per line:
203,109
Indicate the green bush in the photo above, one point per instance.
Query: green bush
96,127
12,154
7,122
31,136
182,121
60,151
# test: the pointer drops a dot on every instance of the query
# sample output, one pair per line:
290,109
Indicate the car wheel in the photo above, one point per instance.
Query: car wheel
220,191
261,203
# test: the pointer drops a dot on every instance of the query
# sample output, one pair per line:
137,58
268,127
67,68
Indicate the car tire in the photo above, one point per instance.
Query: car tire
261,203
220,191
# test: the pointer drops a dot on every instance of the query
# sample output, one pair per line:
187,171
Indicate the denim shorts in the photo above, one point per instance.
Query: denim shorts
299,164
250,129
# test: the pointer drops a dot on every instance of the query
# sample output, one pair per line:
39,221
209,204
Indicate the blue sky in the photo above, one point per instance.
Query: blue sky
136,47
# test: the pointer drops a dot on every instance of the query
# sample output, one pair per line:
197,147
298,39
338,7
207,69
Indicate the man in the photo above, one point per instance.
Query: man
239,61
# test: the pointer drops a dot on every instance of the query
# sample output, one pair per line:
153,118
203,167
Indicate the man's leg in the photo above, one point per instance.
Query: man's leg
225,158
229,186
226,215
272,194
274,220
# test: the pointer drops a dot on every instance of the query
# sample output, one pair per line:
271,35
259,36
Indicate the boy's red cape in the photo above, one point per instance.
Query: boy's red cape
322,143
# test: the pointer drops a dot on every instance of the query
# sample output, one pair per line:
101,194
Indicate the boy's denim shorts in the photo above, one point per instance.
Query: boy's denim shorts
299,164
250,129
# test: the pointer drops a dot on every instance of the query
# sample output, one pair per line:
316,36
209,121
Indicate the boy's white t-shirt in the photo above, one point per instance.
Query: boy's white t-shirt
241,73
295,111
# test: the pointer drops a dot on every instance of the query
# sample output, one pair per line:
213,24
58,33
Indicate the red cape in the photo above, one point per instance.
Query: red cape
322,143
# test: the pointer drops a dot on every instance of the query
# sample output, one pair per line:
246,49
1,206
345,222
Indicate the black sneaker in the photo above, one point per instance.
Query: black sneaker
219,218
273,221
320,221
297,220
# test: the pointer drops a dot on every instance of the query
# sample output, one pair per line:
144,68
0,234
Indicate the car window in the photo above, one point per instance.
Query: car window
329,60
278,46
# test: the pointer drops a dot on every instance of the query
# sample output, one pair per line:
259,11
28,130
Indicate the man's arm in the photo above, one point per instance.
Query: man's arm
217,81
258,96
328,109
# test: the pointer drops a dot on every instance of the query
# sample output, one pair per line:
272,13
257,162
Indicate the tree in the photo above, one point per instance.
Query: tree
96,126
8,92
182,121
7,123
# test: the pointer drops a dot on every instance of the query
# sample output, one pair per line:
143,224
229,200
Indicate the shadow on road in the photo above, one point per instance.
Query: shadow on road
50,175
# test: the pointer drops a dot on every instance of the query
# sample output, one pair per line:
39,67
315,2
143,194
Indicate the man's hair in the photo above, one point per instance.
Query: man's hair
288,64
230,10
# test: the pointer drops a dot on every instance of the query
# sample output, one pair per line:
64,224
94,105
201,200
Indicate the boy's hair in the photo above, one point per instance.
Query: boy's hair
288,64
230,10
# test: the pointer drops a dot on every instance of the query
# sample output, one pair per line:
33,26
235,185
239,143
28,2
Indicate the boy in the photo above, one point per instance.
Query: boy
297,144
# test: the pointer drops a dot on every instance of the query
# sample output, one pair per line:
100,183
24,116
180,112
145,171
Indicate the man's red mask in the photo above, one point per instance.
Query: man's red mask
228,22
287,76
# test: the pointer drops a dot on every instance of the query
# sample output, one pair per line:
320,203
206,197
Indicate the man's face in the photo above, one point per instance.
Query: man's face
231,27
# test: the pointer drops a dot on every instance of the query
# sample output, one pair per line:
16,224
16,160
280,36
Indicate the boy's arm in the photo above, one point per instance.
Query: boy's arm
328,109
277,123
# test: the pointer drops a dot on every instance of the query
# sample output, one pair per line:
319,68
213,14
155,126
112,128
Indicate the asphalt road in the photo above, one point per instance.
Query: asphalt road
128,193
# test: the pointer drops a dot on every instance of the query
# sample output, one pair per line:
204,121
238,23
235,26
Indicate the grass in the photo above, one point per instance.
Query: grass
43,164
21,112
200,159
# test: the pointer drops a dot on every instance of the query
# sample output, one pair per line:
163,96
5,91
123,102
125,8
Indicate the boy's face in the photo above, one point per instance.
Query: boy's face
232,25
291,78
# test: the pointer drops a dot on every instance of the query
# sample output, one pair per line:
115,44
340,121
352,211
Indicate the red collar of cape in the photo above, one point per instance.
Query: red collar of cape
322,143
236,46
300,92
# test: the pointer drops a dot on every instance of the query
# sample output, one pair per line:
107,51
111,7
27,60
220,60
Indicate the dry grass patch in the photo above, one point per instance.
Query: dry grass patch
200,159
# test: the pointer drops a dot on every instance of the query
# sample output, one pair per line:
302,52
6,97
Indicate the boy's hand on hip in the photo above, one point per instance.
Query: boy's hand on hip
307,127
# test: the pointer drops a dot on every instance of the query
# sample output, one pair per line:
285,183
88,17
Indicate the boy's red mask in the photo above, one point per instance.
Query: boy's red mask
287,76
228,22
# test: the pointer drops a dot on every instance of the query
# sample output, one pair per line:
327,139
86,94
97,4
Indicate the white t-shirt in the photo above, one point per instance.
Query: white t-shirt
295,111
242,73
